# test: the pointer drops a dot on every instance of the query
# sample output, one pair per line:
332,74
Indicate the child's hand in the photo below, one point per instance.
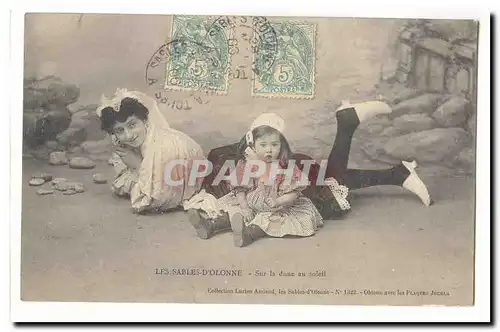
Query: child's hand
130,158
247,213
285,200
271,202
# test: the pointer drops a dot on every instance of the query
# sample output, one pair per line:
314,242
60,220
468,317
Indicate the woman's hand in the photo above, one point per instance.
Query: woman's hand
130,158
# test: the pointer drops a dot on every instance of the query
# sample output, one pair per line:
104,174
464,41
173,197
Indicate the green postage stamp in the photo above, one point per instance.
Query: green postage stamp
282,60
199,55
292,73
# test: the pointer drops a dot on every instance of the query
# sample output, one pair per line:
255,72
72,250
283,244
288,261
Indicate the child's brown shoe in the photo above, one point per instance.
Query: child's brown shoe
204,228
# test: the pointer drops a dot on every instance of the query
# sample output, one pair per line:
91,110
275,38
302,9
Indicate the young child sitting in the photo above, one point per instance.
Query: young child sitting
271,204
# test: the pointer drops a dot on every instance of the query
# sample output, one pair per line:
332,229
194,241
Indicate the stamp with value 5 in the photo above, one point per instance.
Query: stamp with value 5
201,56
292,73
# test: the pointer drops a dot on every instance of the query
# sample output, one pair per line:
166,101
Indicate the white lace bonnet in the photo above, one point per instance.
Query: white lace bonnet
272,120
155,115
115,102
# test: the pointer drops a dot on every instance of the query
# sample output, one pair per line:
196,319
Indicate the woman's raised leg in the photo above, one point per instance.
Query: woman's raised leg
404,175
349,116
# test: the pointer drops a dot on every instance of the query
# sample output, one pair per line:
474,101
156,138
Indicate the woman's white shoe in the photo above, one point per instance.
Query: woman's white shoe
414,184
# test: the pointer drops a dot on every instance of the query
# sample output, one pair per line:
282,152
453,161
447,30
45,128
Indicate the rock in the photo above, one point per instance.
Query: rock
44,192
99,178
438,145
45,104
32,122
58,158
404,94
453,113
41,127
52,145
76,186
75,150
97,147
78,124
93,129
61,185
69,192
87,119
426,103
394,93
390,132
408,123
374,150
72,136
45,176
89,109
100,157
33,98
431,170
56,120
81,163
54,90
36,182
79,119
29,78
471,124
58,180
375,126
41,152
467,158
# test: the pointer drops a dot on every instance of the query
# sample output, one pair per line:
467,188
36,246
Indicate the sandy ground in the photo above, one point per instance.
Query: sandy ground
90,247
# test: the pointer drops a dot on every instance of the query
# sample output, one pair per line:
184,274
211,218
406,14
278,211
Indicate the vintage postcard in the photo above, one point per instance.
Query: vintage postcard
249,159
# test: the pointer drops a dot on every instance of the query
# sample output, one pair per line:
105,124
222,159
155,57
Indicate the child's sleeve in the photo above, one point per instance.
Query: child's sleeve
297,184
